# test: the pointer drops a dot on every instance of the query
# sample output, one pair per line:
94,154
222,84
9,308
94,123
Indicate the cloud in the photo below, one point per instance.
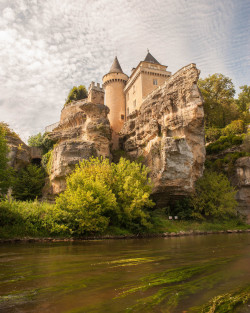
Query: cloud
48,46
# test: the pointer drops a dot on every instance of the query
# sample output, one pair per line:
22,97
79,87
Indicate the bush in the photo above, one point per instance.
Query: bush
224,142
28,183
214,197
18,219
100,194
212,134
234,128
77,93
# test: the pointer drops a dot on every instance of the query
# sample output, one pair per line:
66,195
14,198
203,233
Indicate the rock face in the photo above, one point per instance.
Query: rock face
168,131
83,131
19,153
242,181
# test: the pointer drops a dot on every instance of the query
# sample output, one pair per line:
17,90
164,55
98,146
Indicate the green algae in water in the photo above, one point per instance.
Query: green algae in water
130,262
175,285
226,303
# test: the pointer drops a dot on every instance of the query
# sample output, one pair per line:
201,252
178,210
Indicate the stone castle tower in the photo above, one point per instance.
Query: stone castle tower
114,83
124,95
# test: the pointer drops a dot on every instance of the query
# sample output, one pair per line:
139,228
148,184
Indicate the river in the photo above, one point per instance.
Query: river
171,275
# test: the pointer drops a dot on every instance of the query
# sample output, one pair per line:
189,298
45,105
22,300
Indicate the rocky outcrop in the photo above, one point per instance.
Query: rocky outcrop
241,180
83,131
19,153
168,131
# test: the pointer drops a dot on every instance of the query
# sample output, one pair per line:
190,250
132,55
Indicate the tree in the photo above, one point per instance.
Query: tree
100,194
4,177
243,101
219,105
28,183
41,141
77,93
214,197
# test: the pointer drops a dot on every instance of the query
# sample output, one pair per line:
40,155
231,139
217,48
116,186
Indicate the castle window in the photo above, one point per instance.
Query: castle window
127,111
155,82
122,116
134,103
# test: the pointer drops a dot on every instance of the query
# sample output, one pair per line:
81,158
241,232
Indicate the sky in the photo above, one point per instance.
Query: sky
49,46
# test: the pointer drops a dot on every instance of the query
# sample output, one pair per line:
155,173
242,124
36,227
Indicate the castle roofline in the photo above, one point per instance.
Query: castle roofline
150,59
115,67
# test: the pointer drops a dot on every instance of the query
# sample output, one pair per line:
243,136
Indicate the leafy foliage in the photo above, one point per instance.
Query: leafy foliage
41,141
100,194
224,142
219,105
243,101
214,197
212,134
8,131
234,128
31,218
28,183
77,93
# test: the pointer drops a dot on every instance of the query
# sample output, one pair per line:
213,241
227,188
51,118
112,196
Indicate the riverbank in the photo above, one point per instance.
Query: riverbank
34,221
131,236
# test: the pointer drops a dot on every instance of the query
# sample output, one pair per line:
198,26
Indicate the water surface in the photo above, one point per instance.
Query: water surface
140,275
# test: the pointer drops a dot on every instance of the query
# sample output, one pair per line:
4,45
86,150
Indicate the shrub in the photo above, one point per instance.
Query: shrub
214,197
28,183
234,128
100,194
212,134
26,218
77,93
41,141
224,142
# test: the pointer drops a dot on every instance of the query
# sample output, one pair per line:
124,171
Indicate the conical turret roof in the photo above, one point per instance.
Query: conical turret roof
149,58
116,67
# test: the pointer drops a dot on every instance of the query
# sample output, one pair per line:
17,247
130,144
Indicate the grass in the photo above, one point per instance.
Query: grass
40,220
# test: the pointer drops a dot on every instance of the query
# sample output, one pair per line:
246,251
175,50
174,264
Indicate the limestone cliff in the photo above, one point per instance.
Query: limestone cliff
83,131
19,154
241,180
168,131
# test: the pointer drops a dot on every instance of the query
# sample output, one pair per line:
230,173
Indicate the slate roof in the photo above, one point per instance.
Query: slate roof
149,58
116,67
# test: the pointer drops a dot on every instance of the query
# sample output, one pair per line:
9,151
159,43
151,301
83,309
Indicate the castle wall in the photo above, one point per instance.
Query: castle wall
134,96
95,94
141,84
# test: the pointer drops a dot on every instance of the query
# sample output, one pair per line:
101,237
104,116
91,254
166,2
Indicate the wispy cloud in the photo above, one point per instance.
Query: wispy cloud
46,47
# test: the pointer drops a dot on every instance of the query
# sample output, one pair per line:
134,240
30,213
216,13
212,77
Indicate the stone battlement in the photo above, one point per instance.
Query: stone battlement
96,87
95,93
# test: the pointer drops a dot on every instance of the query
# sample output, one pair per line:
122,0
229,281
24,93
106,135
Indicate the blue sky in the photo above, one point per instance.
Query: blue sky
48,46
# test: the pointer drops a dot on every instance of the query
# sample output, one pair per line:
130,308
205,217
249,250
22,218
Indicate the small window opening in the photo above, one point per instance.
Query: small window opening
122,116
155,82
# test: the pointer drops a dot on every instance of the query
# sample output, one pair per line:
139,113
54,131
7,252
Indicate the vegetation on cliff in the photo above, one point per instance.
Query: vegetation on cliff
77,93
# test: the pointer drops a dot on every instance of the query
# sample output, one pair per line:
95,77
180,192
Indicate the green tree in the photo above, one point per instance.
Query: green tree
4,177
219,106
41,141
214,197
100,194
243,101
77,93
28,183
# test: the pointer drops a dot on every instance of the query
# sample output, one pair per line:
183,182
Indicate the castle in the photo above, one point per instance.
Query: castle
124,94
